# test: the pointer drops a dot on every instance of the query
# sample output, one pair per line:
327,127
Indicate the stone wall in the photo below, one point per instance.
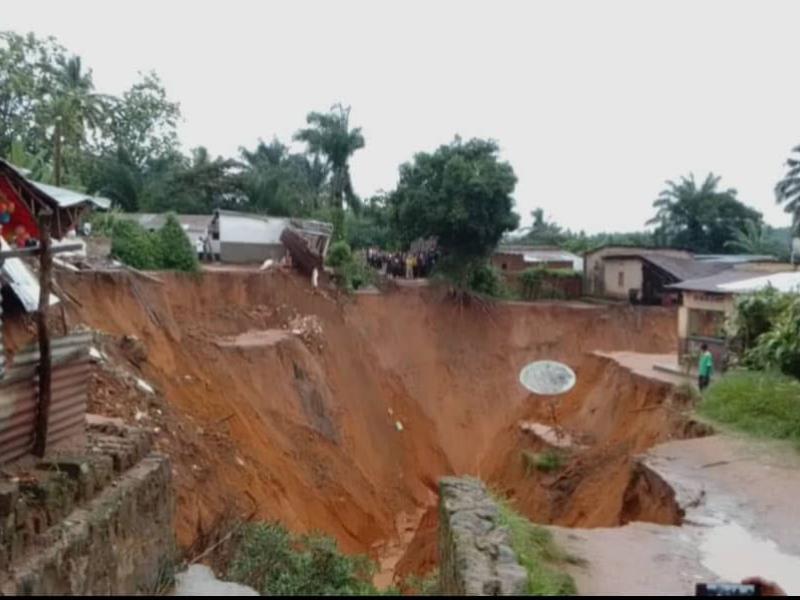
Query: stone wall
475,555
97,523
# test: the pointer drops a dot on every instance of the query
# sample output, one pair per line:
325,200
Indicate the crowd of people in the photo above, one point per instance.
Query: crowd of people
408,265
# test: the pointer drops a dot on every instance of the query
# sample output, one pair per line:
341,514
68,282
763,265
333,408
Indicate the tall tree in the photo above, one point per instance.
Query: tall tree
74,108
543,232
699,218
460,194
787,191
751,239
330,134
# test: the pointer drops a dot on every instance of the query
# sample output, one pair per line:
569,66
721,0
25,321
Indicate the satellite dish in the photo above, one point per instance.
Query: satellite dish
547,378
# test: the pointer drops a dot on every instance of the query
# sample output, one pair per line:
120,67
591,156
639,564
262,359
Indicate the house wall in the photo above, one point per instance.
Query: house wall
630,270
512,262
234,252
244,239
688,345
515,262
594,265
250,230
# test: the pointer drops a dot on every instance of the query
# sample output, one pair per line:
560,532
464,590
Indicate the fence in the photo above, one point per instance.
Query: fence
19,396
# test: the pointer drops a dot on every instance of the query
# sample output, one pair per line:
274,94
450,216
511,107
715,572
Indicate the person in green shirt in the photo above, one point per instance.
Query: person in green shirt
705,367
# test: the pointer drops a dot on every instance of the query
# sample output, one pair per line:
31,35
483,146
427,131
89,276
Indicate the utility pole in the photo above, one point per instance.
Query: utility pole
45,360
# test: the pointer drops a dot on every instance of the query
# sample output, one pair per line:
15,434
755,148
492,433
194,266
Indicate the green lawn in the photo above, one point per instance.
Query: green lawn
538,554
761,403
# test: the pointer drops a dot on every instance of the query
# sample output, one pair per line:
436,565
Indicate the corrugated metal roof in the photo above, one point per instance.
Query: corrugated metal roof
68,198
783,282
735,258
680,268
22,281
712,284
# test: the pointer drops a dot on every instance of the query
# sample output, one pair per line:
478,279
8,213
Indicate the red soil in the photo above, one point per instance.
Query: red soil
303,428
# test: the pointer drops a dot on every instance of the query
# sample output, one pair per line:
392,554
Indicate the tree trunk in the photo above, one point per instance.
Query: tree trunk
57,154
45,367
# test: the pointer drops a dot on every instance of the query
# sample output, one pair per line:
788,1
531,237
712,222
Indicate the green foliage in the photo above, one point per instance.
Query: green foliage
274,562
135,246
461,195
761,403
548,461
754,315
543,233
339,254
700,219
103,223
757,238
787,191
487,281
538,554
426,585
779,346
176,248
352,271
169,248
330,135
371,227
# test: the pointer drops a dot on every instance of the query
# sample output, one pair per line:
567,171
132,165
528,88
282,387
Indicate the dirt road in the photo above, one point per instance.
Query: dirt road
740,498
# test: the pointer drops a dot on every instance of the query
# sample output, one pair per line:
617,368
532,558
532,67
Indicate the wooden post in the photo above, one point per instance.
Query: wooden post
45,367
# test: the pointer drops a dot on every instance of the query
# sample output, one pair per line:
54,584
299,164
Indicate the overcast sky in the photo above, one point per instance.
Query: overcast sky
594,103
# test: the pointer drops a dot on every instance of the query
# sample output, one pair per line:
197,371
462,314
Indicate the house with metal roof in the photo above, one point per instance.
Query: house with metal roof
707,304
31,199
238,237
644,275
515,258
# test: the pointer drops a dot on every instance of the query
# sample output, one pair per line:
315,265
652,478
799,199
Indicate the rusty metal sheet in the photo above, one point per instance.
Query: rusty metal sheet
19,393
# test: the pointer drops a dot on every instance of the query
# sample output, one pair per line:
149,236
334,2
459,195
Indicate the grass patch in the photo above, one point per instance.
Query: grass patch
538,553
761,403
548,461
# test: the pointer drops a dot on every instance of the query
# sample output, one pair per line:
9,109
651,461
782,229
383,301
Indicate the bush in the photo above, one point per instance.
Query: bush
339,254
762,403
779,346
488,281
548,461
274,562
538,554
134,245
168,248
176,249
755,314
103,222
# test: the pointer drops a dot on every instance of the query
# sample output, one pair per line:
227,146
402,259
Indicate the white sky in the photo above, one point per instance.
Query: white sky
594,103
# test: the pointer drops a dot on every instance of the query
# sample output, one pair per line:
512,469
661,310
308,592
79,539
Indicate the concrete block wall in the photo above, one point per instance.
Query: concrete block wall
99,523
475,554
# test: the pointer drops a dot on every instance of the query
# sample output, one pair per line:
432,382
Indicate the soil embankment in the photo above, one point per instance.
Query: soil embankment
340,414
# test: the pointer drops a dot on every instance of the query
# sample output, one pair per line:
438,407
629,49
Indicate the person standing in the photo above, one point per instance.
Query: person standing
705,367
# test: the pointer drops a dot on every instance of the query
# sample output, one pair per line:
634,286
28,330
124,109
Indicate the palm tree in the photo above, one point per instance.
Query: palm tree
750,239
75,108
787,191
330,135
699,217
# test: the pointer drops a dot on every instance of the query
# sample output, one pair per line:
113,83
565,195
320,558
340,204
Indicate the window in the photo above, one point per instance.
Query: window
505,266
621,279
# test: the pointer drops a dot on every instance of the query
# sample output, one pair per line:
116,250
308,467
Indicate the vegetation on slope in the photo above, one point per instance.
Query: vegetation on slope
275,562
761,403
538,554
